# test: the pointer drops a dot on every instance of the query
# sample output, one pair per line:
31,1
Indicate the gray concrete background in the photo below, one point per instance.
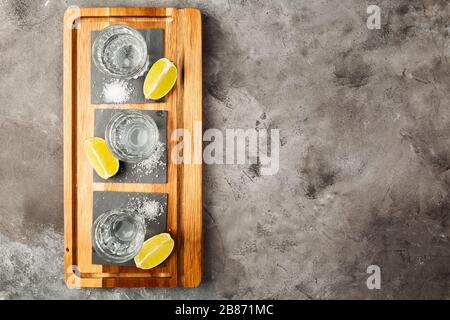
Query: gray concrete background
364,170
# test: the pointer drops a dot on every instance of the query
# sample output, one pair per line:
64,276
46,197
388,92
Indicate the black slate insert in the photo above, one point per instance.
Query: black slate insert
105,201
129,172
155,47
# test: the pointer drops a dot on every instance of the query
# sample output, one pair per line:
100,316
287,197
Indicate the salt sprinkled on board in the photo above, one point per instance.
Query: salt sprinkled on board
116,91
147,208
148,165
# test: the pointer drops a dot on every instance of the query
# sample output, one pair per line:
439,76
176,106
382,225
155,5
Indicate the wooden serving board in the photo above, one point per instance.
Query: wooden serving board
182,45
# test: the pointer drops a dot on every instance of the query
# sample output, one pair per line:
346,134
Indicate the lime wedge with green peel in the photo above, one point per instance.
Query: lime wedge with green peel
160,79
100,158
154,251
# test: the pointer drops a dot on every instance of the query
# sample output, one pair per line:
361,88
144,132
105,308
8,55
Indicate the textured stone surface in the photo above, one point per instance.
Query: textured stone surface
364,159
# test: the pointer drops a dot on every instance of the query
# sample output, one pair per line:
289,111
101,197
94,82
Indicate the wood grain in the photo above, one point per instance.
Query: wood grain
182,41
190,236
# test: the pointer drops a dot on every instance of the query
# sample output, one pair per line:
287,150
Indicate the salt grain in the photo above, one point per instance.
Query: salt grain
147,208
149,165
116,91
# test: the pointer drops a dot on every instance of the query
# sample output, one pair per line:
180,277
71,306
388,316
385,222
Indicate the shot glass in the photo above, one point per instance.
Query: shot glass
132,136
118,235
120,52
